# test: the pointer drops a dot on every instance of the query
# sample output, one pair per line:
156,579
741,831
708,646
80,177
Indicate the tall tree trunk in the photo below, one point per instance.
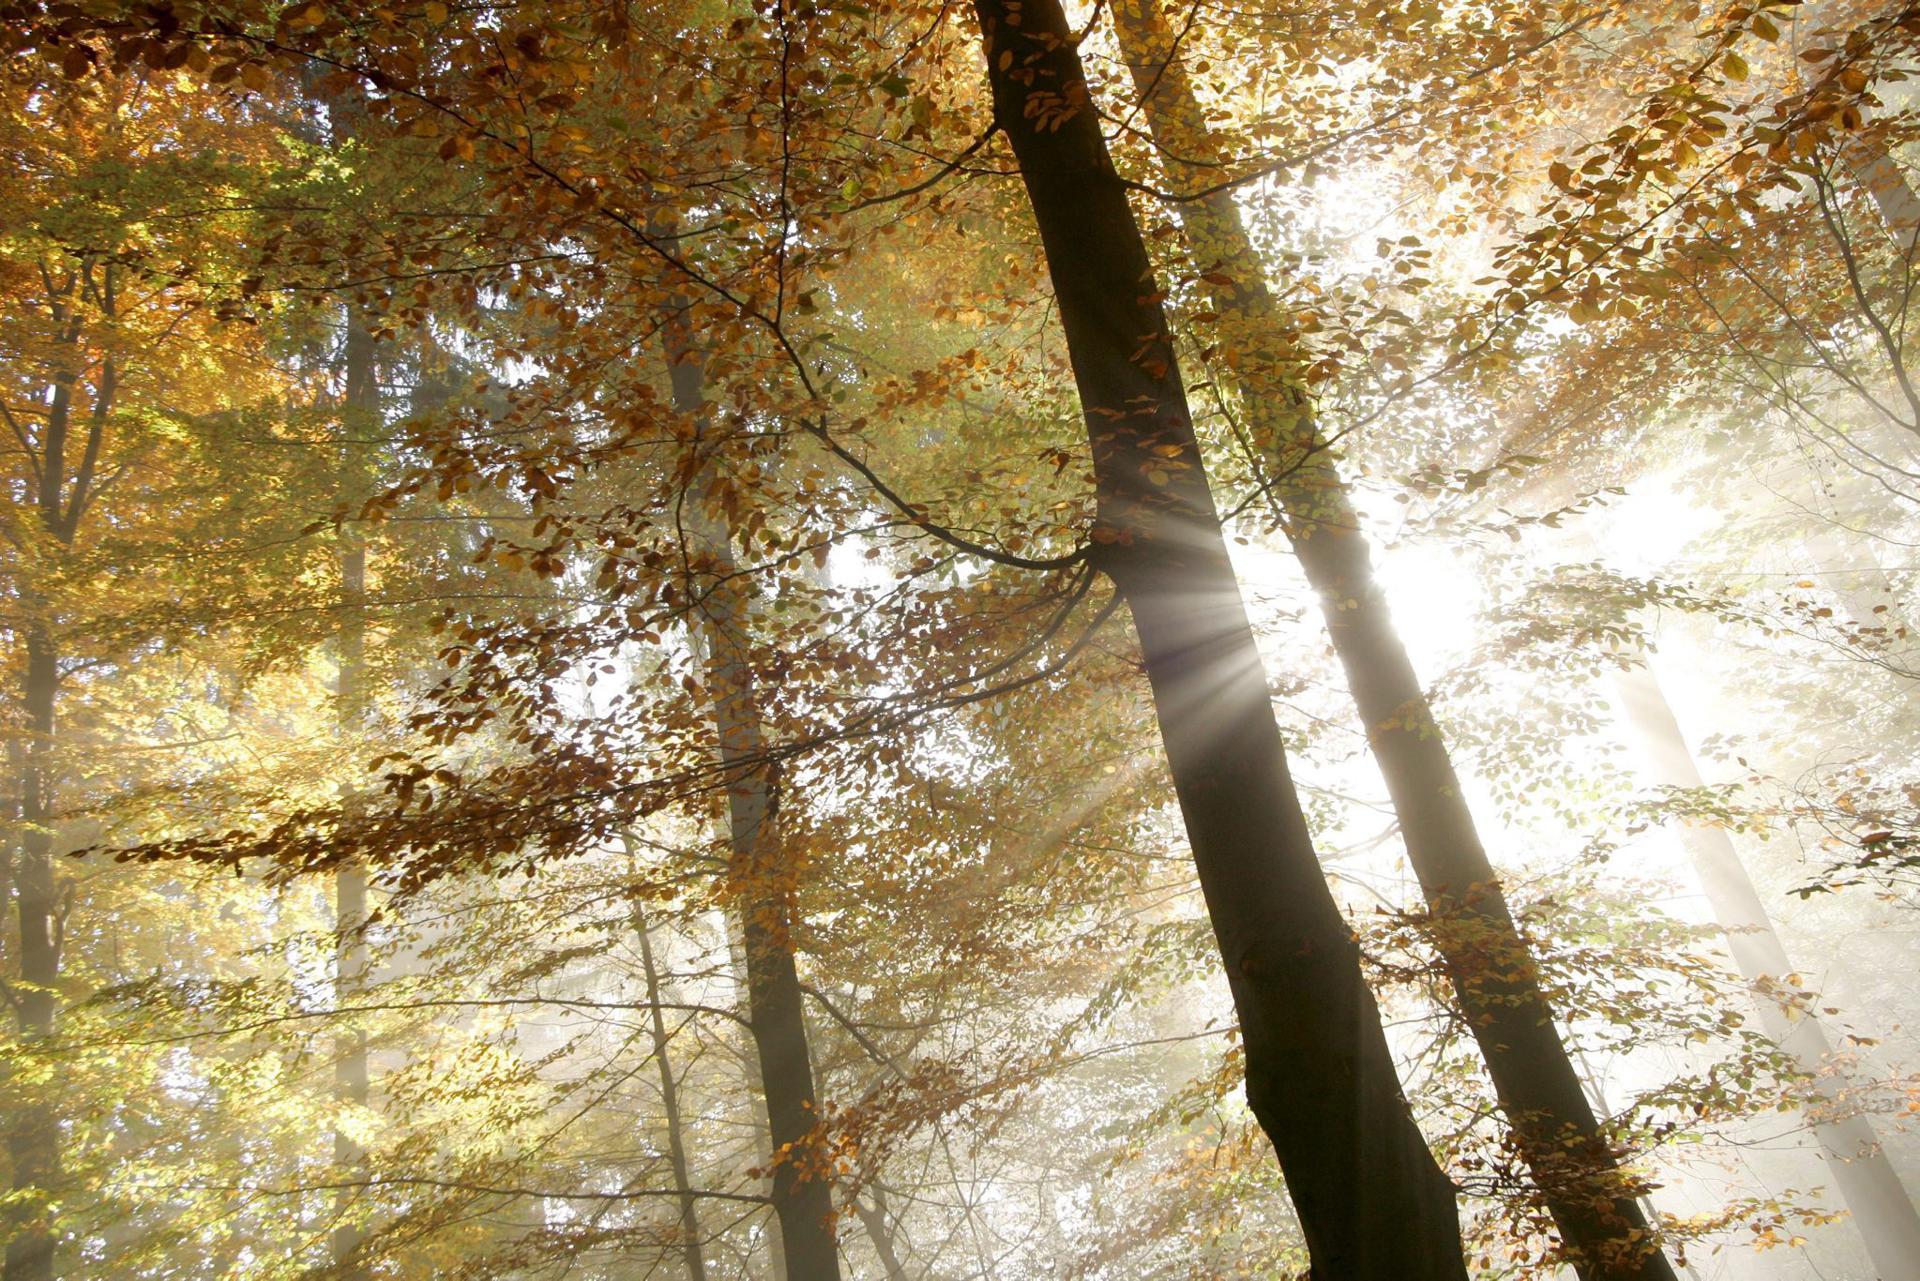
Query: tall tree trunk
64,488
1487,960
756,1088
14,780
759,873
33,1141
1320,1076
691,1247
1868,1184
350,1075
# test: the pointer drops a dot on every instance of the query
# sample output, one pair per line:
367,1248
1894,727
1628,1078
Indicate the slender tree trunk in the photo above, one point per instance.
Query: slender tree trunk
350,1075
64,489
1868,1184
1320,1076
10,812
690,1232
873,1217
1486,958
760,874
33,1142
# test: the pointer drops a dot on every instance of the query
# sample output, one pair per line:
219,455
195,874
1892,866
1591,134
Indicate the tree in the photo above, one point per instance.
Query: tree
693,1246
760,870
1319,1074
115,400
814,674
1592,1201
1879,1203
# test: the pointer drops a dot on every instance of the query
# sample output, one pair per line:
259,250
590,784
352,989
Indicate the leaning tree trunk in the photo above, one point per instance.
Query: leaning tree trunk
873,1217
1486,958
1868,1184
1320,1076
350,1075
759,872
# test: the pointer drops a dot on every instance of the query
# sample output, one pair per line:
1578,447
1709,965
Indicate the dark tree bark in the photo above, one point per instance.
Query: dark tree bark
755,1088
758,871
1320,1077
1488,961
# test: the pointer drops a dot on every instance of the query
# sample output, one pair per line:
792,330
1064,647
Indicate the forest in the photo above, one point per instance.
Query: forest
900,640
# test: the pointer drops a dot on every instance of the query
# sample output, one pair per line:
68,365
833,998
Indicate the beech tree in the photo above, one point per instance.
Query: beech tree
1319,1075
703,646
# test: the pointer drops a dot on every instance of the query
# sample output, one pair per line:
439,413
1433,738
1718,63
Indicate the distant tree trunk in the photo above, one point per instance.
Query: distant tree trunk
64,488
1865,592
759,872
14,780
33,1142
1868,1184
873,1217
1887,183
1320,1076
1489,963
690,1232
350,1075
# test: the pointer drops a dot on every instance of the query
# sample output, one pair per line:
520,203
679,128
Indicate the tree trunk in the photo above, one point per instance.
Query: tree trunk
759,874
1864,592
1485,957
1320,1076
690,1233
874,1219
33,1142
61,497
1886,182
1867,1182
14,779
756,1088
350,1075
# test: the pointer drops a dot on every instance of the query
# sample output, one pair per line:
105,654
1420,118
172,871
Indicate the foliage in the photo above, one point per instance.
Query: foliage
1534,265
